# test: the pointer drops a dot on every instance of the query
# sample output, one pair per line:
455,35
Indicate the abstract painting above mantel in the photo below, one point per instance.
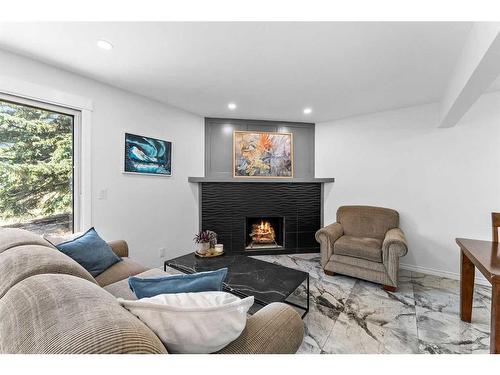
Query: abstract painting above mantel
147,155
262,154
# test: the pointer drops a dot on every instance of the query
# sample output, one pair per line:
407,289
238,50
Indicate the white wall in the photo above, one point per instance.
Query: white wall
149,212
444,182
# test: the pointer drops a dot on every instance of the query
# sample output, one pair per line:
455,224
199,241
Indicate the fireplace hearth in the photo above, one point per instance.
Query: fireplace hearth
264,232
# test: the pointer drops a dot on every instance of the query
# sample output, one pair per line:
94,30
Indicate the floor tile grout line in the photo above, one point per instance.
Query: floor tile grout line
328,337
341,312
416,315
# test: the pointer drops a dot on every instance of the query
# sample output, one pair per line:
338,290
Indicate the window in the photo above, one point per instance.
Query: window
39,175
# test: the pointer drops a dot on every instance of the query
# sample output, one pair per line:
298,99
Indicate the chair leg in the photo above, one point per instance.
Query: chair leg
329,273
389,288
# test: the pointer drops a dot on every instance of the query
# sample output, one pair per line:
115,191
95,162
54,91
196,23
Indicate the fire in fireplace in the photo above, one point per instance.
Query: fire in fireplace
264,233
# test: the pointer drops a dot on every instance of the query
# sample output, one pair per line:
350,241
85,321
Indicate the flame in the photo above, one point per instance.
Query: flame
265,226
263,232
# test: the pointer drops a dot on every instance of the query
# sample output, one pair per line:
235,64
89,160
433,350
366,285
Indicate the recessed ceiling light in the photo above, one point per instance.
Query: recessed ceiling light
231,106
104,44
307,111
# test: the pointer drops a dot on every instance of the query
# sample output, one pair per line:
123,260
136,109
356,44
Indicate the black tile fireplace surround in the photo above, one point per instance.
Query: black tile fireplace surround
226,207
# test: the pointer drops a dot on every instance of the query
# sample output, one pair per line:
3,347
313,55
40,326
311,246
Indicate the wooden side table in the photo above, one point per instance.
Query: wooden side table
483,255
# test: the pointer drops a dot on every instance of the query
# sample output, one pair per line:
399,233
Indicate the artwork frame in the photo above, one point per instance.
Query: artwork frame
163,168
240,135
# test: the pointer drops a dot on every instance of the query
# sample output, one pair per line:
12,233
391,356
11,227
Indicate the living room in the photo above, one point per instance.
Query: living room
309,187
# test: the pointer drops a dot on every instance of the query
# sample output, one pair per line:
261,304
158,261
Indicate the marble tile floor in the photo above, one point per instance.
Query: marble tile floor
353,316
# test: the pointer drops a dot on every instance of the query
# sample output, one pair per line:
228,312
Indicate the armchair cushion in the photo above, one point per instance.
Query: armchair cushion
359,247
367,221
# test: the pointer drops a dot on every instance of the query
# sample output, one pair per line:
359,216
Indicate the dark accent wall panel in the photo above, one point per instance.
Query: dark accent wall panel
219,144
224,207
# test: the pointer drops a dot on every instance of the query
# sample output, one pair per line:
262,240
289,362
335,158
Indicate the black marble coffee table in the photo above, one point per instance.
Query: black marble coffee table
247,276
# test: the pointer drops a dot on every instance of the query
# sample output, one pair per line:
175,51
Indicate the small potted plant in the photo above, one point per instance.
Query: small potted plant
204,239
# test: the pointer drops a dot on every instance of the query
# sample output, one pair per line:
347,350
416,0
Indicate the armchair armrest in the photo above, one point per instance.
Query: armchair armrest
119,247
394,241
275,329
326,237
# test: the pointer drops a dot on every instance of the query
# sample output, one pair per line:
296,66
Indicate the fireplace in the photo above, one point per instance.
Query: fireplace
264,232
293,209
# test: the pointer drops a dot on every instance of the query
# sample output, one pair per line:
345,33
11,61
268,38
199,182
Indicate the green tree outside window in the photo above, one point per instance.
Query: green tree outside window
35,163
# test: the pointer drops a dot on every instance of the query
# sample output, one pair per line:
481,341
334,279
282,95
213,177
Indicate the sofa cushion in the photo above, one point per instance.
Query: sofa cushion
57,314
12,237
275,329
119,271
19,263
367,221
359,247
24,254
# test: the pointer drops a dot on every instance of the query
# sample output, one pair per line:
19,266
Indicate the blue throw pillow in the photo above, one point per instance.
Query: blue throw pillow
185,283
91,252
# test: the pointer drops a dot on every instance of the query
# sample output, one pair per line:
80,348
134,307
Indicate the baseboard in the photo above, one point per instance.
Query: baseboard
480,280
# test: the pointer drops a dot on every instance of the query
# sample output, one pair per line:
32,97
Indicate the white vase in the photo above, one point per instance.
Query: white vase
203,247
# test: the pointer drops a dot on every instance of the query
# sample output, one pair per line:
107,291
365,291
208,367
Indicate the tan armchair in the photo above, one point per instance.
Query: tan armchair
366,243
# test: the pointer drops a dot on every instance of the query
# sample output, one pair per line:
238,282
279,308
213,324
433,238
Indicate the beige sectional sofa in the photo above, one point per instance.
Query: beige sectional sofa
50,304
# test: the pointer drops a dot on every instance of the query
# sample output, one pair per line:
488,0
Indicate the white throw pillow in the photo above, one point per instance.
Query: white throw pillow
202,322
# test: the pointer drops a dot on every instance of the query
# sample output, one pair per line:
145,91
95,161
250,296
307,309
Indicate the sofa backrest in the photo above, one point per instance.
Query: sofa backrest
24,254
63,314
51,304
367,221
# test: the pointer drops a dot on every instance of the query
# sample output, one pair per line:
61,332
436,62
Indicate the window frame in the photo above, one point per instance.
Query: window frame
76,149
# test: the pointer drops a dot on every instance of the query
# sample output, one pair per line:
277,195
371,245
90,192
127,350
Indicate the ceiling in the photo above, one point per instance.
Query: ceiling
270,70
